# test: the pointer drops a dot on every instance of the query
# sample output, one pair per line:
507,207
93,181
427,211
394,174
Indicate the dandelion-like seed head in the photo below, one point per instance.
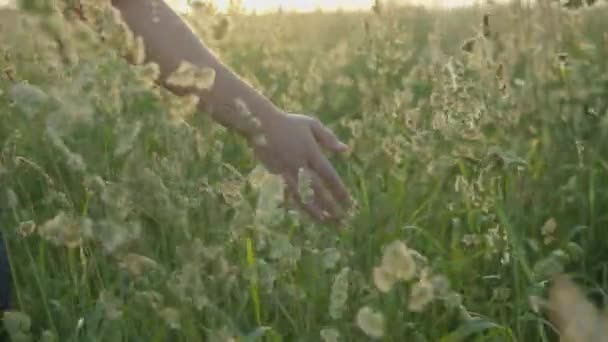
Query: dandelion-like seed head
330,335
66,230
384,279
370,322
421,295
399,261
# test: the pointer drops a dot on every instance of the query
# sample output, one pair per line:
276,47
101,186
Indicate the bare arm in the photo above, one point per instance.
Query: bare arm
168,41
294,141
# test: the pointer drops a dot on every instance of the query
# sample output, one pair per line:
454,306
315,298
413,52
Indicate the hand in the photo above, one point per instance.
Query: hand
294,141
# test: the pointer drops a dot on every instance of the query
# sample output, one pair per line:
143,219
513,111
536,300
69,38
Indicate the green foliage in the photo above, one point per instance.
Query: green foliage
128,216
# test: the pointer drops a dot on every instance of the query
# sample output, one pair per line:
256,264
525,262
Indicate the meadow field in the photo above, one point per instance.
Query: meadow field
478,164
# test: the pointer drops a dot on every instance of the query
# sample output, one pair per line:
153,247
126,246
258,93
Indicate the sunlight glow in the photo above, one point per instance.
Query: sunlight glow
327,5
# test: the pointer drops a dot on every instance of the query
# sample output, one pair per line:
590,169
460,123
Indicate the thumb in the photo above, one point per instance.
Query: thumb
326,138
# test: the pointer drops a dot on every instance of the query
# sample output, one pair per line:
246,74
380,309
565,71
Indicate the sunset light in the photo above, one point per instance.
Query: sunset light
329,5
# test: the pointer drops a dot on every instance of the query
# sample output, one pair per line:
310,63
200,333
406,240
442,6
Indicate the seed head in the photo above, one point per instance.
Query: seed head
371,322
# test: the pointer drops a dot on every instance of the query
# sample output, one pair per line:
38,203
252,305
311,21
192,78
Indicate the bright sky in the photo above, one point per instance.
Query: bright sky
311,5
306,5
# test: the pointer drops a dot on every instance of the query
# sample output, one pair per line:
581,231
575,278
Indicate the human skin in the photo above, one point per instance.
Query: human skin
291,141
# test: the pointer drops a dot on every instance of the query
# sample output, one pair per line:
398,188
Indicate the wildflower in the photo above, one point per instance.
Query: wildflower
371,322
149,72
73,160
188,285
188,75
470,240
305,190
399,261
331,257
422,293
271,193
94,183
384,279
11,199
66,230
114,235
230,191
339,294
137,264
548,231
330,335
183,107
26,228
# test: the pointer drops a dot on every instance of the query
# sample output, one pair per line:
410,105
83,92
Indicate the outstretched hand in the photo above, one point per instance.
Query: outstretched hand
294,142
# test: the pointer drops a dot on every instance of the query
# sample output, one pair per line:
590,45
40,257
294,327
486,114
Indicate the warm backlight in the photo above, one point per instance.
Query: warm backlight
311,5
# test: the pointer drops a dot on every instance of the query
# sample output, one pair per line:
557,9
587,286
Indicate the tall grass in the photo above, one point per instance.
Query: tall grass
478,166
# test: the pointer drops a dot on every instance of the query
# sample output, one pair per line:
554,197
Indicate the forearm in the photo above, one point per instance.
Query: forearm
168,41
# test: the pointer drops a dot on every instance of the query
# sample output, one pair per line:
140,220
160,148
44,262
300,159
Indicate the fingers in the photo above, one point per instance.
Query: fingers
330,177
326,137
322,197
310,207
